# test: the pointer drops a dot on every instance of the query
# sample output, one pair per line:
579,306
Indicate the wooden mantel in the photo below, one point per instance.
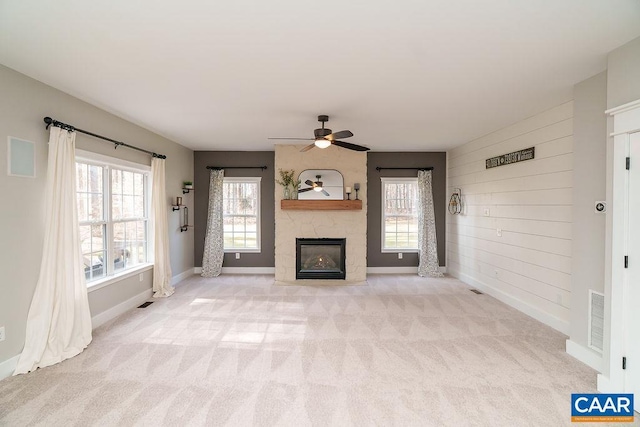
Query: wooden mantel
321,205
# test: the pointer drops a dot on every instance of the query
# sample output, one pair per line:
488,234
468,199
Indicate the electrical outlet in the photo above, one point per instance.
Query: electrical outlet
2,335
237,255
399,255
487,212
141,276
499,232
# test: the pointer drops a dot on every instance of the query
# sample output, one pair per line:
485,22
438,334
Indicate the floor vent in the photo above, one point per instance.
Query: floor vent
146,304
596,320
475,291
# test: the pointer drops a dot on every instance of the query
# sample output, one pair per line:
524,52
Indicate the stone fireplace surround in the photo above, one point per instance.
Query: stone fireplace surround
352,225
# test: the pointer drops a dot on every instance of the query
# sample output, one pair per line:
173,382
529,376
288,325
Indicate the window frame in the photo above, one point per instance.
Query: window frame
383,182
248,179
108,164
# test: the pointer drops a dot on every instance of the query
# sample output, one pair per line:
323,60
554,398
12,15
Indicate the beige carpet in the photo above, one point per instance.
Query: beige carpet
237,350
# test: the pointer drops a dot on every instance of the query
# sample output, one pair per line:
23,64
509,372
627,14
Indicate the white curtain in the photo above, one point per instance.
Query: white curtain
161,262
427,243
213,241
59,321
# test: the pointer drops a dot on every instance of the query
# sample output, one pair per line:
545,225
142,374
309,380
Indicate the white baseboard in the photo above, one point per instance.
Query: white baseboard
8,367
272,270
605,385
241,270
248,270
392,270
123,307
583,354
541,316
180,277
398,270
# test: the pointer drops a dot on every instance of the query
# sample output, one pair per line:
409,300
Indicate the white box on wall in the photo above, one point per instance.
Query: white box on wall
21,158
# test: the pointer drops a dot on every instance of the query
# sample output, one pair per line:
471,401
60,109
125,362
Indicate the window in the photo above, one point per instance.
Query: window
399,214
241,198
112,214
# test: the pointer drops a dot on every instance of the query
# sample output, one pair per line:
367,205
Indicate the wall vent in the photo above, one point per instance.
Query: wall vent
596,321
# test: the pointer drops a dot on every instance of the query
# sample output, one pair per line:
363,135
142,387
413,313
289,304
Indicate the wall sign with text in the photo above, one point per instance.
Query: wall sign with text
515,157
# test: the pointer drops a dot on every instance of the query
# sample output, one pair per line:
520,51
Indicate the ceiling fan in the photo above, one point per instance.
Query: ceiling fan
314,185
325,137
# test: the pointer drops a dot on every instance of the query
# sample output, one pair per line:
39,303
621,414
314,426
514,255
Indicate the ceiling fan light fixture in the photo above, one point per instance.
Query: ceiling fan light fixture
317,188
322,143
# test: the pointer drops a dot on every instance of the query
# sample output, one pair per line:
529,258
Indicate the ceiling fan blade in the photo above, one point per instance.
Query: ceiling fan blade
350,146
325,192
295,139
338,135
309,182
304,190
308,147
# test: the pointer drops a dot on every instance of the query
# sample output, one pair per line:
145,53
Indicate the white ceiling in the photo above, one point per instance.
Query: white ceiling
401,75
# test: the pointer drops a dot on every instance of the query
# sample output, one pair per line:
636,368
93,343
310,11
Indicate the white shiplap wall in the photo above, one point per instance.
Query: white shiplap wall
529,266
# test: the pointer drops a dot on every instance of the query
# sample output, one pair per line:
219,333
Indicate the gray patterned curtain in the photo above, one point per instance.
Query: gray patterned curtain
213,241
427,243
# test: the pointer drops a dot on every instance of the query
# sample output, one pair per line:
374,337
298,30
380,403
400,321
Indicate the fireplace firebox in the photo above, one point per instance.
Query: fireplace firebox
320,258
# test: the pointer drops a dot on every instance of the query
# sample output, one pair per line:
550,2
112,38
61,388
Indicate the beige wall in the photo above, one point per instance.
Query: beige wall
25,102
318,224
529,265
589,185
623,84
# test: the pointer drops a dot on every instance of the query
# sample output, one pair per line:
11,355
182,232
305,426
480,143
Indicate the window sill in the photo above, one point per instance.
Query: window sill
99,284
399,251
242,251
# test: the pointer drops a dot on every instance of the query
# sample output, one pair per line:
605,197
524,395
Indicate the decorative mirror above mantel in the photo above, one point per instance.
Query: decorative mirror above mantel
321,184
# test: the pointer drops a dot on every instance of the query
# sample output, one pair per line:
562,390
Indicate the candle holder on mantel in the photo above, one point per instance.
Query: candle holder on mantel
347,190
356,187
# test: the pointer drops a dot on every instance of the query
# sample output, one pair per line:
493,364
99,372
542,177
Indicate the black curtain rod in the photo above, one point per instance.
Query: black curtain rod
236,167
428,168
51,122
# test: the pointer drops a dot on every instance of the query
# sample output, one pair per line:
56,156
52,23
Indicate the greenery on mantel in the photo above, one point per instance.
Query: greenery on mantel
286,177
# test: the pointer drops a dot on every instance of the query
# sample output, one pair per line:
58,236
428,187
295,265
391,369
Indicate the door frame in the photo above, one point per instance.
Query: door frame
626,120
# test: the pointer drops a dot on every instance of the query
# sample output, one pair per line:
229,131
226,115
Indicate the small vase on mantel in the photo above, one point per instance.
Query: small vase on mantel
286,193
294,193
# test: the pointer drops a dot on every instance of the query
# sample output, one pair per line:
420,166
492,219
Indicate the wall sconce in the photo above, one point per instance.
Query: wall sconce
185,220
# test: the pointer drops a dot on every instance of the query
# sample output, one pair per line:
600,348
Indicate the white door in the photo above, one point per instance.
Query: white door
632,291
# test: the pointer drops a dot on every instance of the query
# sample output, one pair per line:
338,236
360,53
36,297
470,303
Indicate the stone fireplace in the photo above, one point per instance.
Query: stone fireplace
320,258
321,224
